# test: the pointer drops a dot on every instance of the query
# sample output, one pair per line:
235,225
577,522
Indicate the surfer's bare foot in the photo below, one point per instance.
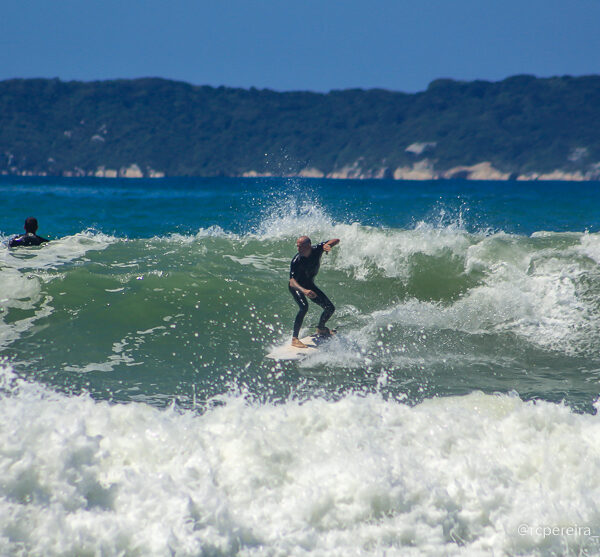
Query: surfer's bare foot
297,343
325,332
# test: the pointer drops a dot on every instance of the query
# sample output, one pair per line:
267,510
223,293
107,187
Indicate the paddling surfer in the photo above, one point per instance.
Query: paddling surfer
303,269
30,238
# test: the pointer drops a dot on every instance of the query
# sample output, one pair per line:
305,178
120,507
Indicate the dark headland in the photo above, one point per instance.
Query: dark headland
520,128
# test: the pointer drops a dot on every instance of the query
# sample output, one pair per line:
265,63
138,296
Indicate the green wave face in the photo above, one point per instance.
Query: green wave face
420,311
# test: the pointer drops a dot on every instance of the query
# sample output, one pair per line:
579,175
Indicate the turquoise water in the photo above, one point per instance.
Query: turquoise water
464,376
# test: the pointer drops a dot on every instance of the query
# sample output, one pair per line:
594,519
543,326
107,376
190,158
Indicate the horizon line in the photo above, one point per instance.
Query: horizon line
316,92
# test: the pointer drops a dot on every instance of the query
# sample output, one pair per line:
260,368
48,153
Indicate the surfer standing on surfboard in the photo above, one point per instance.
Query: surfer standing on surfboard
303,269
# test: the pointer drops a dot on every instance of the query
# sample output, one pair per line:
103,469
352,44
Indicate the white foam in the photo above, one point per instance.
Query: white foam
451,476
534,291
590,246
22,292
365,250
260,262
214,231
57,252
534,288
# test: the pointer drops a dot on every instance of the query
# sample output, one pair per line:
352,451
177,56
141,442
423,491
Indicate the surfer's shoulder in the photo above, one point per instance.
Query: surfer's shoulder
16,241
27,239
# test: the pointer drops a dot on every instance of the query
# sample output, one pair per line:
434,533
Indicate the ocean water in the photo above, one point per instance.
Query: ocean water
455,413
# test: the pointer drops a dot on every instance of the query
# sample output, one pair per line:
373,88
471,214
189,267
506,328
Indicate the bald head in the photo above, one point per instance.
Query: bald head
303,245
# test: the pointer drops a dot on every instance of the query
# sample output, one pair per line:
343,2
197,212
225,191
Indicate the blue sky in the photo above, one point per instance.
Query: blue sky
314,45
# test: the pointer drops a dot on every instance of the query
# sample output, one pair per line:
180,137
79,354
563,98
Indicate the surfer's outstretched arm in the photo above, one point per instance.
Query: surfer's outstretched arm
330,243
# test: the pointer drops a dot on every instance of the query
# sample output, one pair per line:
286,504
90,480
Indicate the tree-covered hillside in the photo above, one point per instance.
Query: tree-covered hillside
520,125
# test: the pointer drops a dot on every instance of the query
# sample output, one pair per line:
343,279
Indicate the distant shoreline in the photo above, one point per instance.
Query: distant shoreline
482,172
522,128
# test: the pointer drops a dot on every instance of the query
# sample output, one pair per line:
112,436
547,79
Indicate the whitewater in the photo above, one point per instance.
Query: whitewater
455,413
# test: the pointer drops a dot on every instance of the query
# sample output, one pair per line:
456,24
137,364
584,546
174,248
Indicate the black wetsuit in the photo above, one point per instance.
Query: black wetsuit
28,239
304,270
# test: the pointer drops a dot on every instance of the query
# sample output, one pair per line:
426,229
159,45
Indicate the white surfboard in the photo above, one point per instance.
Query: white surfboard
289,352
